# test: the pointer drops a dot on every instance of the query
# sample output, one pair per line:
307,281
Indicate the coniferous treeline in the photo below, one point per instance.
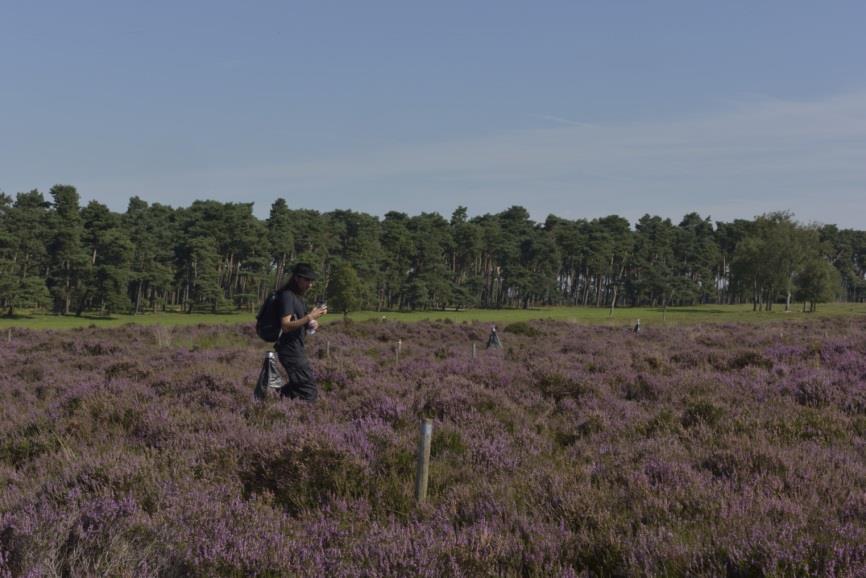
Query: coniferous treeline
211,256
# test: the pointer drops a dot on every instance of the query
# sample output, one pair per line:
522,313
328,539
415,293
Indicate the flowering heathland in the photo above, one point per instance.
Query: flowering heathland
574,450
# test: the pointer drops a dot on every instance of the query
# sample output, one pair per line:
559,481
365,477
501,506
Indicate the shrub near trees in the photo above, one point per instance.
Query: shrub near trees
210,256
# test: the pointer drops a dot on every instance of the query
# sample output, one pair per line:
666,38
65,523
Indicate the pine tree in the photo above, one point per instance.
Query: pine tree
68,261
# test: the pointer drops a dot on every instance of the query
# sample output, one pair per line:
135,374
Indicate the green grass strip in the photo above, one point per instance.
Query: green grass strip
628,316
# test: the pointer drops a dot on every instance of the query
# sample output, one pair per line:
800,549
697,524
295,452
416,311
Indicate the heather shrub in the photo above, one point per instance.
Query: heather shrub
746,358
20,447
808,424
642,388
522,328
701,451
303,478
663,423
446,441
702,413
558,386
570,433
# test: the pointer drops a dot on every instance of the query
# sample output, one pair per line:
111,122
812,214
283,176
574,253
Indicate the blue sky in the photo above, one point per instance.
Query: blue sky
580,109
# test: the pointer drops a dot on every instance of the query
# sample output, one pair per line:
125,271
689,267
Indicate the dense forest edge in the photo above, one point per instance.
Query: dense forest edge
61,257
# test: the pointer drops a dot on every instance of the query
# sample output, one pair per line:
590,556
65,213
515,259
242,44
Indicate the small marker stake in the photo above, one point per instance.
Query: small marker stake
423,470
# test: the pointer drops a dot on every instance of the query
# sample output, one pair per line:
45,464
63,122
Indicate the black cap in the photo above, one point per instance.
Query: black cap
304,270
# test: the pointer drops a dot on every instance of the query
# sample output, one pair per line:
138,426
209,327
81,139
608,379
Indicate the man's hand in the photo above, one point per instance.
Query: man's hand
313,325
317,312
289,323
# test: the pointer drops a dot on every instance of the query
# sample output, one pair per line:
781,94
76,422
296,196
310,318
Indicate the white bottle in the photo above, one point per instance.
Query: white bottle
313,331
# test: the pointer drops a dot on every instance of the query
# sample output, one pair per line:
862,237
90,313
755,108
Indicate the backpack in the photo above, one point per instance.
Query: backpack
268,323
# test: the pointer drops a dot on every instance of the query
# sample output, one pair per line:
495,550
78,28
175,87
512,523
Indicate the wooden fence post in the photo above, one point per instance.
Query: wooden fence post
397,351
423,470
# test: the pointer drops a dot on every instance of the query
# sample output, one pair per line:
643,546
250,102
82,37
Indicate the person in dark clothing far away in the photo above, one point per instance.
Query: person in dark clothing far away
295,322
493,339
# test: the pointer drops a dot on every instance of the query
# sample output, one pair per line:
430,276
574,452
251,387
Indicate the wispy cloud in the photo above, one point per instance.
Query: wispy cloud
558,119
759,155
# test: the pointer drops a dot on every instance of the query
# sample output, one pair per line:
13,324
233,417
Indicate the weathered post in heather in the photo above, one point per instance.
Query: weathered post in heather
423,470
397,352
9,336
328,349
474,353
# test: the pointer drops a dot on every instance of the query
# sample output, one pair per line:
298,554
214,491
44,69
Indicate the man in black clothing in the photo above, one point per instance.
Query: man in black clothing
493,339
295,322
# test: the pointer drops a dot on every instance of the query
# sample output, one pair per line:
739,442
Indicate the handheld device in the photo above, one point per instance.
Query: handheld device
319,304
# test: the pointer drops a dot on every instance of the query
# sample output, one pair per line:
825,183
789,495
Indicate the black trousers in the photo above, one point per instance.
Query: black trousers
301,381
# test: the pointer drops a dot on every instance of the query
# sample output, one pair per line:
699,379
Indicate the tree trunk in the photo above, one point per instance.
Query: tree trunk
613,301
138,297
598,295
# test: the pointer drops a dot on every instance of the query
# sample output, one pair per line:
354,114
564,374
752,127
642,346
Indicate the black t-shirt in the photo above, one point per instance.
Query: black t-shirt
291,344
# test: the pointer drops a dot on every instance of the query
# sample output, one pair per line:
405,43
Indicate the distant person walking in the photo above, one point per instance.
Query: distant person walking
295,322
493,340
